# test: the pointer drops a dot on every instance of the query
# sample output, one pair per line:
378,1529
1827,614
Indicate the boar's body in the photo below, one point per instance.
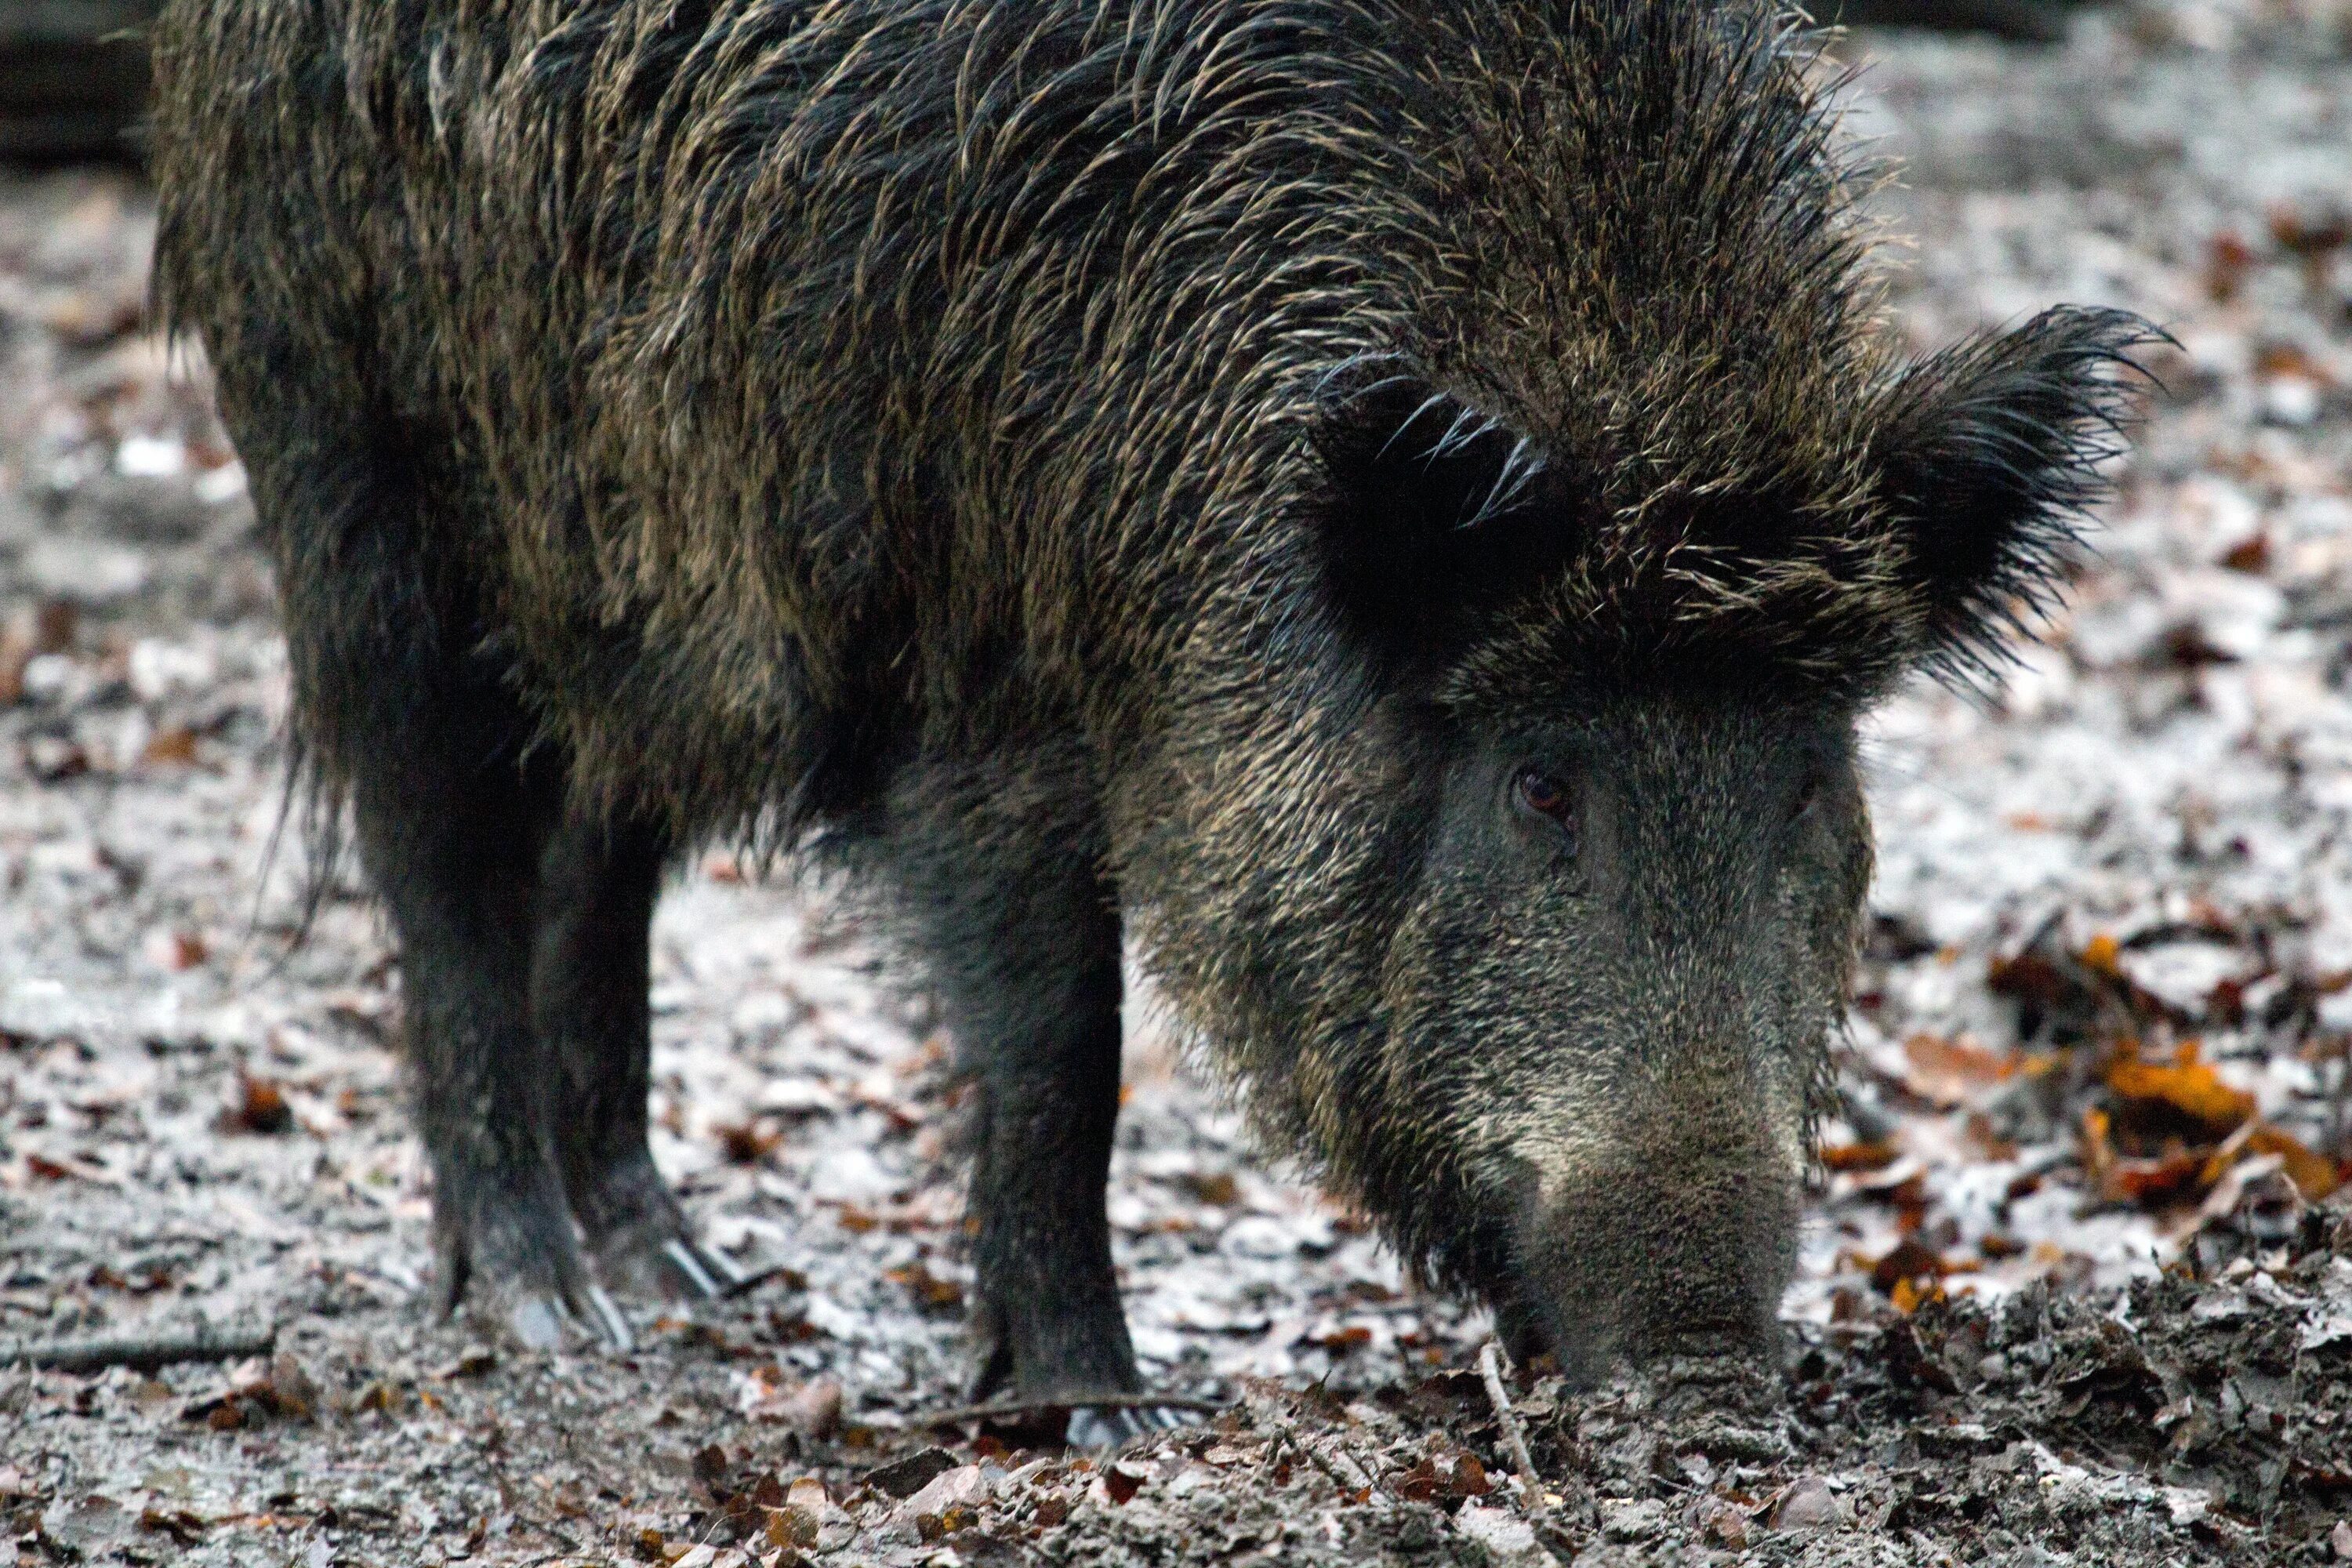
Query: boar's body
1397,506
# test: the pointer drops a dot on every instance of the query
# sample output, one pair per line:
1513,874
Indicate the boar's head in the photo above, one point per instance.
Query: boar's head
1510,847
1613,757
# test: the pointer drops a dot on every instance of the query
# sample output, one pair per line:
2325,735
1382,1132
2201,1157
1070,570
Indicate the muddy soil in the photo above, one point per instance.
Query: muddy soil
2072,1292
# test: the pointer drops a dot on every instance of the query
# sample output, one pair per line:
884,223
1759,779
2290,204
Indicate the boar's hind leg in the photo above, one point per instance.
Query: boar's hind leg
393,706
1022,939
588,982
451,827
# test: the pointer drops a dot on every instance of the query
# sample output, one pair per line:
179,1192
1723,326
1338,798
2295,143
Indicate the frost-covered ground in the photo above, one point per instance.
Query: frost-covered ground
2100,1033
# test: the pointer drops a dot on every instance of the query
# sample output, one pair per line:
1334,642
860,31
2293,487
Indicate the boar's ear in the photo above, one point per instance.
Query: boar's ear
1433,513
1990,454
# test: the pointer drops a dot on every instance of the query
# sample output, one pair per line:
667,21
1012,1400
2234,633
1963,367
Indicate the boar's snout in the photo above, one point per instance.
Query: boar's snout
1675,1245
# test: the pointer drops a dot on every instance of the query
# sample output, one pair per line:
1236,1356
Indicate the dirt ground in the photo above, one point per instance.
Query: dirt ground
2073,1291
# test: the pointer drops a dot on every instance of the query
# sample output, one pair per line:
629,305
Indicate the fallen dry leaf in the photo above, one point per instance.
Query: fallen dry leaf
2313,1174
2187,1086
256,1105
746,1143
2228,259
1948,1072
1867,1156
175,745
930,1292
1120,1483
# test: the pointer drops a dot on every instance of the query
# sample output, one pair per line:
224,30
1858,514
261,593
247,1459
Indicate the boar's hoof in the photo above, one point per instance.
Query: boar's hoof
545,1323
656,1263
1092,1427
642,1243
708,1275
510,1255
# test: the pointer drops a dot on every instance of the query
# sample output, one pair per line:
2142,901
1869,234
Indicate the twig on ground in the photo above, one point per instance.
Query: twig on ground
1285,1432
999,1409
142,1352
1515,1436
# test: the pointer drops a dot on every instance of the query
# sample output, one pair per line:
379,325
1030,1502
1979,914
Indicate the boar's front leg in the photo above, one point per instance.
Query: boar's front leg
1022,938
589,975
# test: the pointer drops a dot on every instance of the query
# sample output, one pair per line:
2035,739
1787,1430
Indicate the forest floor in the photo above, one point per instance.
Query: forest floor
2073,1292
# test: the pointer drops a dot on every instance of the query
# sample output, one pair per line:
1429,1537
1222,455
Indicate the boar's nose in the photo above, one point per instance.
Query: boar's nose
1639,1258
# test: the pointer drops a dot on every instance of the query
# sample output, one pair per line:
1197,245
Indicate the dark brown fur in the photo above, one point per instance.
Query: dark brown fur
1166,466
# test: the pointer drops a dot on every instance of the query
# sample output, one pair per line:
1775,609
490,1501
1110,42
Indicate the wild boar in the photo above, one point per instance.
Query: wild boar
1395,505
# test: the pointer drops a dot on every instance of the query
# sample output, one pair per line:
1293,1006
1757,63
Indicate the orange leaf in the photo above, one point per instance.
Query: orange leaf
1908,1296
2188,1087
2313,1174
2099,1152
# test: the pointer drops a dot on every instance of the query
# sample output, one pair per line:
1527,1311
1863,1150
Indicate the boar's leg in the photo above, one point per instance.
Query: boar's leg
398,706
1020,934
451,827
1033,1000
597,885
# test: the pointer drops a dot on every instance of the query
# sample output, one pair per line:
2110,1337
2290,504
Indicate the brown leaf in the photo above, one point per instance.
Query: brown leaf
746,1143
2250,554
258,1106
185,1528
472,1362
2183,647
1867,1156
2310,233
1908,1261
2157,1182
1724,1522
1949,1072
2228,259
1217,1187
175,745
792,1527
57,625
1120,1483
16,652
931,1293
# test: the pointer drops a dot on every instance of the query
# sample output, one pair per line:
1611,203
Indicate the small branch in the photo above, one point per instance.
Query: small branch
1001,1409
1515,1436
1285,1432
143,1352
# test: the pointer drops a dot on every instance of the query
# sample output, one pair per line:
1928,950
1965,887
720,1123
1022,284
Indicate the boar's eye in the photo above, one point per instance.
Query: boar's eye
1537,793
1807,796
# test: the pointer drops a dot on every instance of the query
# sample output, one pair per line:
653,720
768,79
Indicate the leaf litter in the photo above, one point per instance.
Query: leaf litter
2076,1288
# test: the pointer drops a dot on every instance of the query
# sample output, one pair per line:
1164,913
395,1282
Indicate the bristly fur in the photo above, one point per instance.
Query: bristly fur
787,396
